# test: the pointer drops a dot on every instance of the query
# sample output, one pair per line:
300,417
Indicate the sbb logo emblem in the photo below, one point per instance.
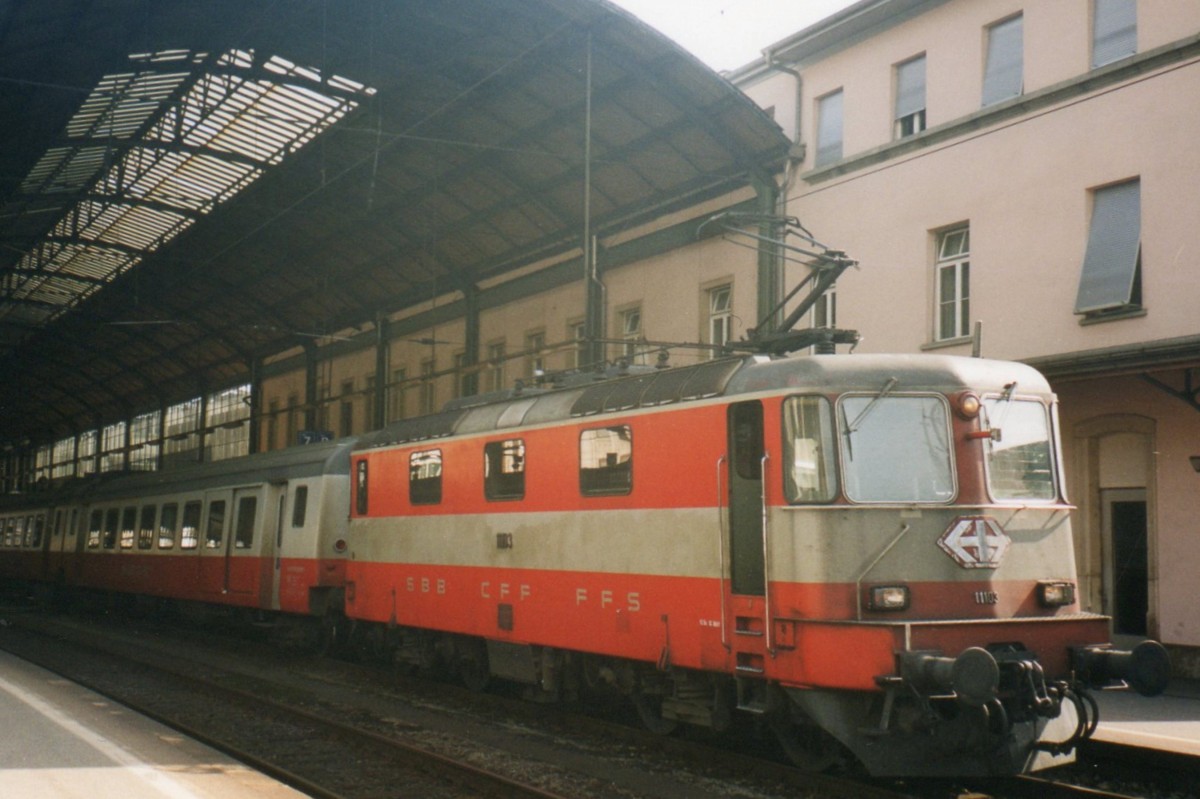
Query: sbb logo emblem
975,542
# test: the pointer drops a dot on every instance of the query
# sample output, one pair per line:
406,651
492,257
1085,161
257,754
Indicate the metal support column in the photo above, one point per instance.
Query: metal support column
470,380
382,362
770,283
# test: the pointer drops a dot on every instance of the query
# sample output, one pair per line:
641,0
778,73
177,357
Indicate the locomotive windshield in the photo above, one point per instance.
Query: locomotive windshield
896,449
1019,458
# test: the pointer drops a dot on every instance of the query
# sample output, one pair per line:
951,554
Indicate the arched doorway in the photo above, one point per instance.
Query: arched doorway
1113,475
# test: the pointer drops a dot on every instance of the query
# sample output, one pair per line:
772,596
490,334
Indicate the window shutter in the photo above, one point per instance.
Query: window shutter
910,87
1003,75
1114,31
1114,240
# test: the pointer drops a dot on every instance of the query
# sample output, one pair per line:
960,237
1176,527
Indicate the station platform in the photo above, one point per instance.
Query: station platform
59,740
1170,722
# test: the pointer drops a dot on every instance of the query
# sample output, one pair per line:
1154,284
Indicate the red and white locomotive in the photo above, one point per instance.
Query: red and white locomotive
872,553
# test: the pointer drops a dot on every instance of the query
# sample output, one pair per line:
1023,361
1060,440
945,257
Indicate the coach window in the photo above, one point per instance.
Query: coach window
112,518
504,469
166,526
425,477
128,527
39,526
360,488
95,525
809,472
606,461
24,531
190,533
243,536
146,528
300,506
216,524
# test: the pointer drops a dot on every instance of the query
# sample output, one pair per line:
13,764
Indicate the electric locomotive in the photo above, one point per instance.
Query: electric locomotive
870,553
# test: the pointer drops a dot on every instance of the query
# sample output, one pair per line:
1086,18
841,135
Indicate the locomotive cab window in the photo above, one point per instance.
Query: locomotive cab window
896,448
504,469
425,477
1020,461
809,468
606,461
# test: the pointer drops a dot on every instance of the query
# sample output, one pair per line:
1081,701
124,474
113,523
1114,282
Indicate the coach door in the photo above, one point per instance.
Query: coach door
241,549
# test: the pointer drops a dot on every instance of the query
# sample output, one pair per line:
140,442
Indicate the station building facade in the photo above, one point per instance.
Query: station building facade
1020,178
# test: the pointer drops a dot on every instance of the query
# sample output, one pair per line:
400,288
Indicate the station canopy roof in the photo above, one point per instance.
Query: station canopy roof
187,186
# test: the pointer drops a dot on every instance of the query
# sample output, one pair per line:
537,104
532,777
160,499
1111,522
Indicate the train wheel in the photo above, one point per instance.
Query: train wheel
649,708
473,665
808,747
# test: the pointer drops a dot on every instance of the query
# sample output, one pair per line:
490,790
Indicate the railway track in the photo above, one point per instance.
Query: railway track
341,735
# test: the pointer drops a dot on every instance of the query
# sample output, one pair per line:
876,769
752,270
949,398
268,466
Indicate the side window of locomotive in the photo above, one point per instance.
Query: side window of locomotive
1020,458
425,477
190,533
215,532
95,525
111,519
166,526
606,461
147,528
809,468
896,448
360,488
504,469
746,431
243,535
300,506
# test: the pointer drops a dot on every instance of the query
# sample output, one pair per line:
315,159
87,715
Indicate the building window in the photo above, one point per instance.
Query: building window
1114,30
910,97
425,477
369,422
829,128
577,332
535,354
504,469
396,394
428,387
631,334
720,318
1003,73
606,461
495,369
346,414
1111,279
954,284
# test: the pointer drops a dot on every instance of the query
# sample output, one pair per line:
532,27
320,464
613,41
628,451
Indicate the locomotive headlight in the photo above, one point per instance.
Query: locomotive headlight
888,597
1056,593
967,405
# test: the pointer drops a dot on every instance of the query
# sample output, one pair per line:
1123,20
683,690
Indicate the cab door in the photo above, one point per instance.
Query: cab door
745,520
